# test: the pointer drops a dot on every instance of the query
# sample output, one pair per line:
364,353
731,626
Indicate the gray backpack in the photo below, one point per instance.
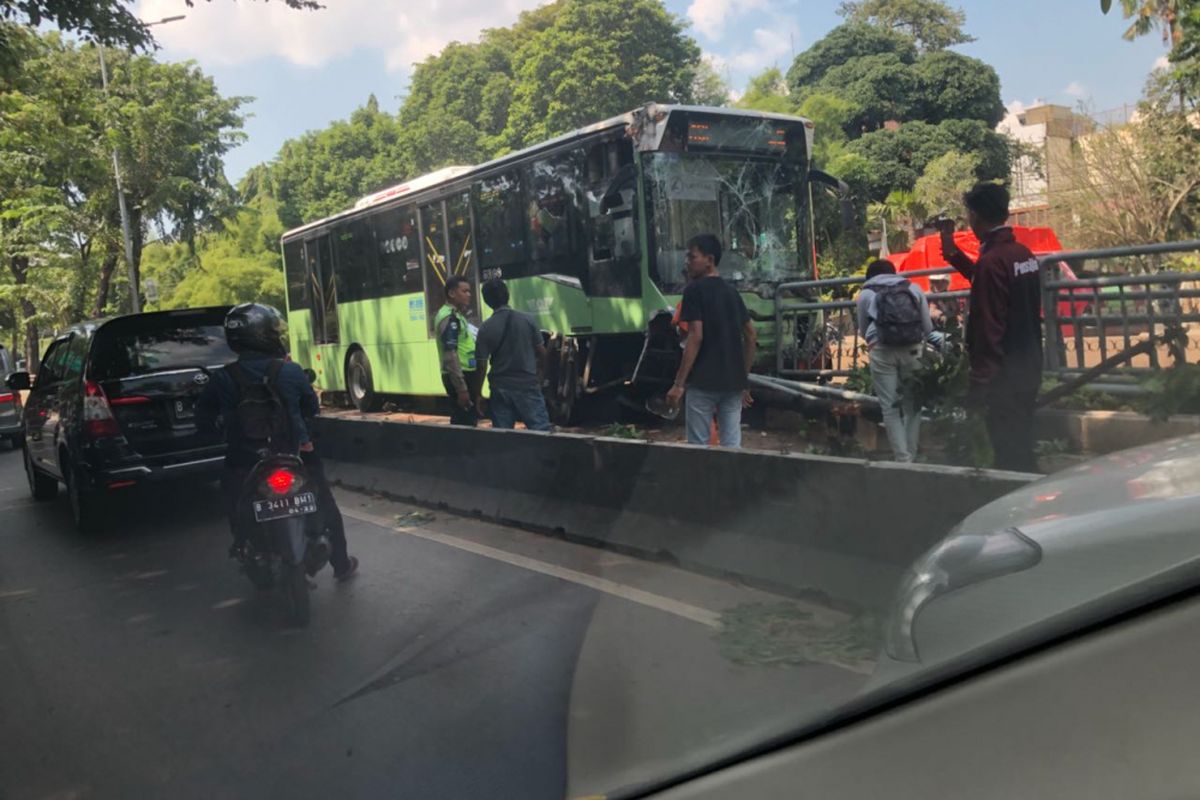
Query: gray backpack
898,317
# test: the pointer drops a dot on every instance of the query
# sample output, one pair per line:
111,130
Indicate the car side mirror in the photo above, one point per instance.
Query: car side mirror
312,376
18,382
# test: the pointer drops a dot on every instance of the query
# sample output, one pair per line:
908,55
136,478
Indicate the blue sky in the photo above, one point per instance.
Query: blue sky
306,69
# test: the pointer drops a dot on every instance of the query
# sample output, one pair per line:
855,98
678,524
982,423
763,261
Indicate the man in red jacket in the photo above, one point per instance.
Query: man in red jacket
1004,326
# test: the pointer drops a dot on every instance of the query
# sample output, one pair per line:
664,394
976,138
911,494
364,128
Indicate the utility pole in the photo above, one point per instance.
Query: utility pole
135,300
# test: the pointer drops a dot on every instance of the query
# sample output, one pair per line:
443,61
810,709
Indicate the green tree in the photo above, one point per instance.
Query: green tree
1134,183
171,129
899,157
596,59
767,91
953,86
932,24
59,229
708,87
456,110
107,21
844,44
326,171
1165,15
880,88
946,179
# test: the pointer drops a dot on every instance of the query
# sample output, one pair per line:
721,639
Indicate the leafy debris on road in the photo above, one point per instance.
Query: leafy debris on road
414,519
784,634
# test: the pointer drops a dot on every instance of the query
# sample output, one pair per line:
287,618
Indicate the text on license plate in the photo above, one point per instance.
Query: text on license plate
185,409
295,505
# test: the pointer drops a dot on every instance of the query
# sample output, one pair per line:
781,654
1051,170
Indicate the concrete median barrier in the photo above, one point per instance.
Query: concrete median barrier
845,528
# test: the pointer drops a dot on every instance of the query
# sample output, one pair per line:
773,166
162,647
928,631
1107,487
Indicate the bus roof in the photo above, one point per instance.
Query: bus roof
650,134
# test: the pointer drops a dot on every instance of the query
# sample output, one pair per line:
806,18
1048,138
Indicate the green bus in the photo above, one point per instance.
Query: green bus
587,230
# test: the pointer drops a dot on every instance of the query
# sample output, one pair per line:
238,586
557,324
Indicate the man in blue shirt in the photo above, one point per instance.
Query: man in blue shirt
258,334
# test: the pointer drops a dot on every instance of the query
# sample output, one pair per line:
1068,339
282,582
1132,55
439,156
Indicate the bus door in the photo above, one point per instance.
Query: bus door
435,263
322,280
462,250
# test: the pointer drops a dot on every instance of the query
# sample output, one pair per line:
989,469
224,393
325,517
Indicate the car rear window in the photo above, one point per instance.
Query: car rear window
130,347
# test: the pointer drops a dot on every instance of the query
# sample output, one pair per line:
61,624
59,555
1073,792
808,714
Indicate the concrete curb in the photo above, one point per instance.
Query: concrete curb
842,527
1103,432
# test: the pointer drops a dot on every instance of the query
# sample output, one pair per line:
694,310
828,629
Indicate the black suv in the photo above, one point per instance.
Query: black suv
113,406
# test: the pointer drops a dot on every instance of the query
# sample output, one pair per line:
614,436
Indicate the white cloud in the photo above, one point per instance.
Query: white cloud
770,45
232,33
709,16
1162,62
1076,89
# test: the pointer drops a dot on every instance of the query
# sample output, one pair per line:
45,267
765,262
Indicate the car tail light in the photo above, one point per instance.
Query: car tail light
8,397
132,400
281,480
98,420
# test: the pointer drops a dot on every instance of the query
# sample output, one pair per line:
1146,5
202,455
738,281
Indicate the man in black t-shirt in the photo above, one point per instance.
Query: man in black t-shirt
720,348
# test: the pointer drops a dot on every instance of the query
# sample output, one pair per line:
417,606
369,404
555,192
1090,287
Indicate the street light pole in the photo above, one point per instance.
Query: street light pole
135,300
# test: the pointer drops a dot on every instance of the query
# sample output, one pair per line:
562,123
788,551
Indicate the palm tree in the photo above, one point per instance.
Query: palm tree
1150,14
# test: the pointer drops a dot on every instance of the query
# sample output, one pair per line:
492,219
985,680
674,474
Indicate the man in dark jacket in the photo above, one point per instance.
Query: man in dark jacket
258,334
1004,326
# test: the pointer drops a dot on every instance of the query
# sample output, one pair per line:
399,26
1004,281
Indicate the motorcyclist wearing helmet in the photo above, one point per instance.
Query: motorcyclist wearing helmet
258,334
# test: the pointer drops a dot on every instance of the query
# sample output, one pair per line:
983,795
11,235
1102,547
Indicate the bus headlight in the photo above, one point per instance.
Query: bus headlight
957,561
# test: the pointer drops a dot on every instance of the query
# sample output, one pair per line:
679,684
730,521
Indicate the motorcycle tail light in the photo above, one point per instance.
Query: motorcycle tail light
281,481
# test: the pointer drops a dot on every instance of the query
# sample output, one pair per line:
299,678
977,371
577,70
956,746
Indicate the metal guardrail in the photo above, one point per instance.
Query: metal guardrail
827,344
1086,319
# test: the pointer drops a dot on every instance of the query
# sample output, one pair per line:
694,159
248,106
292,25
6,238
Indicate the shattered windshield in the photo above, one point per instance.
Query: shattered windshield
750,204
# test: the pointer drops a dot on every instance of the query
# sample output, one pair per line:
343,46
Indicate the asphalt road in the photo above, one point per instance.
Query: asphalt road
467,660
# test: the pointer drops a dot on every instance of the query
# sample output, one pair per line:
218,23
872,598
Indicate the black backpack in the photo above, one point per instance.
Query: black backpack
898,317
261,412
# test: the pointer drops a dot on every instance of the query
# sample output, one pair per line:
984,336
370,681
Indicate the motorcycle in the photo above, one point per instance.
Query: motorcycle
285,544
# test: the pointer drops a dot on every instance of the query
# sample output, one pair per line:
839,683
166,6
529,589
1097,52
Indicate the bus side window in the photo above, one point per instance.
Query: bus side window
614,268
398,244
297,275
554,201
358,269
500,224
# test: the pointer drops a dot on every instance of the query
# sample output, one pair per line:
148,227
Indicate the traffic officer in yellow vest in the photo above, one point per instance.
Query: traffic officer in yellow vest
456,340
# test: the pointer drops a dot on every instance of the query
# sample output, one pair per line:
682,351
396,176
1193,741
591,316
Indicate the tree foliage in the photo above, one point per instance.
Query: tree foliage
60,238
598,58
932,24
559,67
1134,183
108,22
889,104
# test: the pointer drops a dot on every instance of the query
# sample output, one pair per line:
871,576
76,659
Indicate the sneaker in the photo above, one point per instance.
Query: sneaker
349,572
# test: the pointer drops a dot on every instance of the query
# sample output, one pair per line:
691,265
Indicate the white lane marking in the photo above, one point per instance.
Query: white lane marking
656,601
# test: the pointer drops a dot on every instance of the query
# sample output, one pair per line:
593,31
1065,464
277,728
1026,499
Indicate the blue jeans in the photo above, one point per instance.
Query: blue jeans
892,368
703,404
507,406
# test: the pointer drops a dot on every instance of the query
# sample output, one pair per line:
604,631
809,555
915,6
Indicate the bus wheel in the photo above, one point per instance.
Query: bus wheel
359,382
564,381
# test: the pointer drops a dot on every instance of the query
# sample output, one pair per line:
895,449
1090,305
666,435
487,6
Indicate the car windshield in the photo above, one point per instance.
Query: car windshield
126,351
667,383
750,204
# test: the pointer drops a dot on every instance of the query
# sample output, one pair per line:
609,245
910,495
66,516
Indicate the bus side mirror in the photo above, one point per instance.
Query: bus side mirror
841,190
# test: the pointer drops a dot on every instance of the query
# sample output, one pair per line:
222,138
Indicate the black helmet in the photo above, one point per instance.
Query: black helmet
256,328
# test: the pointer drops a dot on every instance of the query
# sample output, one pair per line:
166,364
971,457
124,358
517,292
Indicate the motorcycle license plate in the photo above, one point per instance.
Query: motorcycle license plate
284,507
